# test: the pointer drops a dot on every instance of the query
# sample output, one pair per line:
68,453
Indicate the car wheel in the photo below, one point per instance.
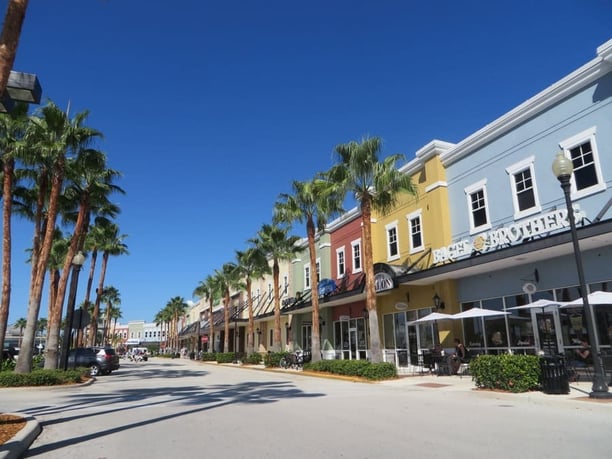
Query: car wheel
94,369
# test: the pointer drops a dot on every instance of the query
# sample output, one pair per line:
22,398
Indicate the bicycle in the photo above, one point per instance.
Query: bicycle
295,360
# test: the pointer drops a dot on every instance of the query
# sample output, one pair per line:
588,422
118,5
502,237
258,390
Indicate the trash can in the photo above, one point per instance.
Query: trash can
554,377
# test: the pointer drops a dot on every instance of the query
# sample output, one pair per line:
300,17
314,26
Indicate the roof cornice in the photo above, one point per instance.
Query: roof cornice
560,90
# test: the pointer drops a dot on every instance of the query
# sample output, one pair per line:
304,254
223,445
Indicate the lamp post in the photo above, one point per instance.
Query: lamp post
77,262
562,168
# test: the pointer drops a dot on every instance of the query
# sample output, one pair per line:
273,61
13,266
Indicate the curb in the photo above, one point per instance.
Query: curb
16,446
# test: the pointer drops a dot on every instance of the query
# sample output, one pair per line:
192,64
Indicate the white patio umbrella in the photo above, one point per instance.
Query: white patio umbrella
597,297
432,317
539,304
478,312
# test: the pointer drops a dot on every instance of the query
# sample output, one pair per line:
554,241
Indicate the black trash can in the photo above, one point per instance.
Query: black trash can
554,377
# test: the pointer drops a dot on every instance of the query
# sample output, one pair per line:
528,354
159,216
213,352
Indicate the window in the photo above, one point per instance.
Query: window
582,150
269,291
285,285
356,245
416,231
306,276
477,205
524,190
341,264
392,242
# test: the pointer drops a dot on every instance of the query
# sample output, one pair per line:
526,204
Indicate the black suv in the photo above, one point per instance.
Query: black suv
99,360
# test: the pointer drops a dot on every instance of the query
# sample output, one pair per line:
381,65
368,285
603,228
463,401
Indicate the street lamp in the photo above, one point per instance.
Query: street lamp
562,168
77,262
21,87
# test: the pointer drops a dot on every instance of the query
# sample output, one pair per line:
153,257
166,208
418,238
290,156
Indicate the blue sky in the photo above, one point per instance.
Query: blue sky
211,109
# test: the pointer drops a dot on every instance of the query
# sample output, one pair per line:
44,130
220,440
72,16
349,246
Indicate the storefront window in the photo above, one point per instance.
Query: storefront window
472,328
495,326
519,322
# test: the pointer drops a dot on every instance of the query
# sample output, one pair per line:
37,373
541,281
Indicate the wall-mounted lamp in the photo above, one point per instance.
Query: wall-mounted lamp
366,314
258,331
438,303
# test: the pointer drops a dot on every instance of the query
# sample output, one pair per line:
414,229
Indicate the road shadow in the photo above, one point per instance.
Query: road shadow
195,398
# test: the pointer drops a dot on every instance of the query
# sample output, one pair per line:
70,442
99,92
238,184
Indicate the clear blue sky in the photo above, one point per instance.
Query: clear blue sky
211,109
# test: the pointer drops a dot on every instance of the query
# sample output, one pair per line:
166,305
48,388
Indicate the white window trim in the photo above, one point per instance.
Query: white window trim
469,190
339,251
307,277
390,226
514,169
413,216
574,141
356,243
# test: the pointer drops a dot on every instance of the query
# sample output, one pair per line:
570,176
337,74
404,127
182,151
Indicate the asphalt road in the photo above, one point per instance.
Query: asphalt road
180,408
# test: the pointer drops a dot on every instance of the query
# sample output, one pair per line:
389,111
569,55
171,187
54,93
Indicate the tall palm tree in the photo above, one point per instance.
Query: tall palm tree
20,324
12,130
377,185
275,242
111,245
252,264
226,280
9,40
115,315
55,138
177,308
208,289
313,203
112,298
162,319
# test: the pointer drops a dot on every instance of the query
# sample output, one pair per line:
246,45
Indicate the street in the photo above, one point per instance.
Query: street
182,408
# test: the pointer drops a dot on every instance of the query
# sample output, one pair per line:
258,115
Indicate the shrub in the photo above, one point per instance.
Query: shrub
358,368
512,373
254,358
272,359
43,377
7,365
225,357
208,357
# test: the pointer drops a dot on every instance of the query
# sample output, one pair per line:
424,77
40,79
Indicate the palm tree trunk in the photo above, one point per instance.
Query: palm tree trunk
315,335
368,265
277,319
250,331
11,31
226,301
96,312
55,312
24,363
7,204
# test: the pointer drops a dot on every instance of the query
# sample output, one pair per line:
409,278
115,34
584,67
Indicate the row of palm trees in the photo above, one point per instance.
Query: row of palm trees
54,177
376,184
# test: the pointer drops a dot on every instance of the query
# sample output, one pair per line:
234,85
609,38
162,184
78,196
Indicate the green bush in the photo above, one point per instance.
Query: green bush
208,357
7,365
512,373
226,357
43,377
254,358
358,368
272,359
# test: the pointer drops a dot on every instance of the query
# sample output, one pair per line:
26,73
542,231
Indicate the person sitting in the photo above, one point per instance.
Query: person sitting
582,356
459,357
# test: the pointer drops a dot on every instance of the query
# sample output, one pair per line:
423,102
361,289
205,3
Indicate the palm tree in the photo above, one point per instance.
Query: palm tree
112,298
274,241
177,308
377,186
12,130
226,280
313,203
208,289
20,324
162,319
252,264
55,138
112,244
9,40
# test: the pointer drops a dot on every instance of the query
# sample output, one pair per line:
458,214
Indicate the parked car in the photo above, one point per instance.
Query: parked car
99,360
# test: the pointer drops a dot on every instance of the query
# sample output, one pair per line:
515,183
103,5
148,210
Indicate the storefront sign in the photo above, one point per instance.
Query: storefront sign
508,235
382,281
